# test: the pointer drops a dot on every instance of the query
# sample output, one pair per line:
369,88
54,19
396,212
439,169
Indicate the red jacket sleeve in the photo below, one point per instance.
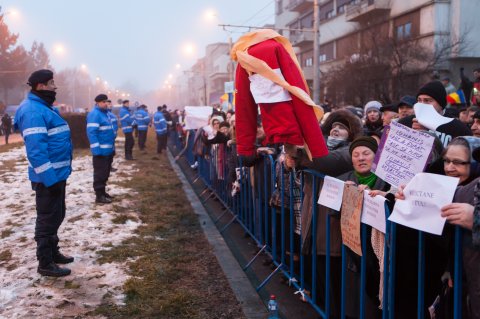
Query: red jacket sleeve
246,112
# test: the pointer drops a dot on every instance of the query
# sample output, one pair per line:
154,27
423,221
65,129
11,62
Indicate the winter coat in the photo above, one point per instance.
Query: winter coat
126,120
100,132
160,123
142,119
47,140
114,120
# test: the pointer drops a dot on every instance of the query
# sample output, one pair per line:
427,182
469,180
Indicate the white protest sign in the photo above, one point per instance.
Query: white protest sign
428,117
402,153
197,116
373,212
332,193
425,195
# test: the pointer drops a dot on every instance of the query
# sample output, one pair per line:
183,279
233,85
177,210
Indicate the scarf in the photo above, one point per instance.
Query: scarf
47,96
333,143
366,180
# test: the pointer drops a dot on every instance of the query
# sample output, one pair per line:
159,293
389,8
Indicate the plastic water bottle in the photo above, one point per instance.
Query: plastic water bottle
273,308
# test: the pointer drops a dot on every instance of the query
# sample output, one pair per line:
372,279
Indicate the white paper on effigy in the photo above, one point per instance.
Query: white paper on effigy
332,193
425,195
428,117
266,91
373,212
197,116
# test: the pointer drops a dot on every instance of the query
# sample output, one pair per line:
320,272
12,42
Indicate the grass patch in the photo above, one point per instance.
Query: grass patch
96,215
6,233
71,285
178,276
75,219
122,219
5,256
22,239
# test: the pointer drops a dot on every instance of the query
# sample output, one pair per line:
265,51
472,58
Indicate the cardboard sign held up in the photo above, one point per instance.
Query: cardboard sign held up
350,218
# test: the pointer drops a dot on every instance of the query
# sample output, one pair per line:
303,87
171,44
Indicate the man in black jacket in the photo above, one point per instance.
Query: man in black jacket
433,93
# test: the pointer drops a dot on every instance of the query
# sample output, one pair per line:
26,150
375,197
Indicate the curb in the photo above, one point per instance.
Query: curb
249,300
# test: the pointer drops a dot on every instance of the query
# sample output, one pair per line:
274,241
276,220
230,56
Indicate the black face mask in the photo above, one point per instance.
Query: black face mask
46,95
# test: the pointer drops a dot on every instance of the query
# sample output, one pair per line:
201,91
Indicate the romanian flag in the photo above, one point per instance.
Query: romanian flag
456,98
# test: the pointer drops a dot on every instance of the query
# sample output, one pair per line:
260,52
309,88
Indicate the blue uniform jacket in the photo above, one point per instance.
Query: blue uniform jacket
47,141
143,119
100,132
114,120
126,120
160,123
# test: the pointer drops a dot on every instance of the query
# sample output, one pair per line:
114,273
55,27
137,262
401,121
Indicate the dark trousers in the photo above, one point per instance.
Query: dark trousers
50,215
7,134
142,138
129,144
161,143
101,172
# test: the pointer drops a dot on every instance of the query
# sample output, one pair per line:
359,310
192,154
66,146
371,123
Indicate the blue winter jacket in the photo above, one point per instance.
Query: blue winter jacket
126,120
143,119
160,123
100,132
114,120
47,140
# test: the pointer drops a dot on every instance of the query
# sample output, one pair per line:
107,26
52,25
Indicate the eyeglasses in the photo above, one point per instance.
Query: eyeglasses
447,161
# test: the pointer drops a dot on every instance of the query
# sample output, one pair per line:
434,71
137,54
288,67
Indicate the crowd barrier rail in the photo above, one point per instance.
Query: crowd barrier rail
272,229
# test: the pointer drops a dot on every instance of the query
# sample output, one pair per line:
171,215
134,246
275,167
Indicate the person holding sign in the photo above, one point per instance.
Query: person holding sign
433,93
363,151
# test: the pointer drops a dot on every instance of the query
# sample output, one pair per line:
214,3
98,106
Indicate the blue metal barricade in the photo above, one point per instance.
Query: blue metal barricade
273,228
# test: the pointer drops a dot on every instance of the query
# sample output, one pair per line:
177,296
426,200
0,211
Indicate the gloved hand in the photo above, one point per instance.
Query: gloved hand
55,189
248,160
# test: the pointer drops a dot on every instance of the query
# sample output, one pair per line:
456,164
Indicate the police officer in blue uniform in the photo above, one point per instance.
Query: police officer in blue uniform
49,151
143,122
161,130
113,118
126,121
102,142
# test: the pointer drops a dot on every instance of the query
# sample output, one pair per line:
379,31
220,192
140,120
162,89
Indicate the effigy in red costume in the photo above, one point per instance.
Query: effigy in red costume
268,75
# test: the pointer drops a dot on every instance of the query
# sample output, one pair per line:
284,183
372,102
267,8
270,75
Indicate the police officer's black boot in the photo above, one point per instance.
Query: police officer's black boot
52,270
46,265
60,258
101,198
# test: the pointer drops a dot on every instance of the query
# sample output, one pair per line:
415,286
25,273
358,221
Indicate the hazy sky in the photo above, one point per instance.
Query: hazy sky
129,41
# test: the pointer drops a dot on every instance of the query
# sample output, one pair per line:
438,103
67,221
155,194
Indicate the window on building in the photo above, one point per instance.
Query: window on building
404,31
341,9
330,14
407,30
309,62
322,58
400,33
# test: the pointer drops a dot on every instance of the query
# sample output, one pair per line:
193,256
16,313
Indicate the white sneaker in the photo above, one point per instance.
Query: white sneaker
194,166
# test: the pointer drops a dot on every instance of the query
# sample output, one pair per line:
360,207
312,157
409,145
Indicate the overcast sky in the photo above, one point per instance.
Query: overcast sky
124,41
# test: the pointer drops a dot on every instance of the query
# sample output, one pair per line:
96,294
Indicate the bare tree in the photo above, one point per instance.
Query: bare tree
385,68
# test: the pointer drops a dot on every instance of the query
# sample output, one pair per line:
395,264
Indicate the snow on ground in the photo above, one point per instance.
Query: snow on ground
86,229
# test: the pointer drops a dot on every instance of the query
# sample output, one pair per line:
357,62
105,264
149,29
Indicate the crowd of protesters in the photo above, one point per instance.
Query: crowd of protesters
352,136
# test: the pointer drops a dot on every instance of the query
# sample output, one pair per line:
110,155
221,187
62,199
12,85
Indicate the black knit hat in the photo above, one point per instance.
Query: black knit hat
366,141
101,98
436,90
40,76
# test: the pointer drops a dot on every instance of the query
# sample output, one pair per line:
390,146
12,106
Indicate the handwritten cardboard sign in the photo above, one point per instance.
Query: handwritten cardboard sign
374,211
331,193
425,195
350,218
402,153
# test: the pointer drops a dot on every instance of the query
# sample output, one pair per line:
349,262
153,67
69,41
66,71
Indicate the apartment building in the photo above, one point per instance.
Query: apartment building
344,25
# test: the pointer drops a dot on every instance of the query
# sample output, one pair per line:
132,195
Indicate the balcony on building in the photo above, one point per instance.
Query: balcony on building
300,5
364,10
301,38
